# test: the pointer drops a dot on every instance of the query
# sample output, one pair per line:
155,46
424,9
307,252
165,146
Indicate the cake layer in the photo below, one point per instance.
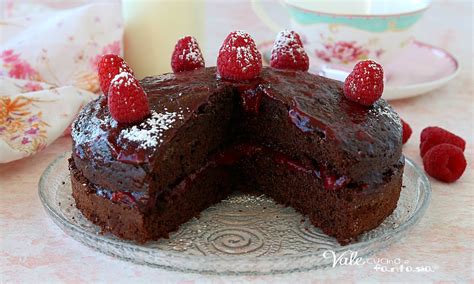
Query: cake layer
302,115
173,208
343,212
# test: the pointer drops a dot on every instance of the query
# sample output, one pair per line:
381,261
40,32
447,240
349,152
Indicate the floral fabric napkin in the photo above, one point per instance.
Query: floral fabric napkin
48,68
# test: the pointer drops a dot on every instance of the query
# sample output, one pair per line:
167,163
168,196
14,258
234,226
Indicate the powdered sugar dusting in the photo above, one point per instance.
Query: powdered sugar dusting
242,44
287,43
124,78
90,124
150,132
365,74
192,53
365,83
85,130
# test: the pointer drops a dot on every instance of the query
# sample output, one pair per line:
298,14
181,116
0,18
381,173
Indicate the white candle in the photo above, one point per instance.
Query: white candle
152,28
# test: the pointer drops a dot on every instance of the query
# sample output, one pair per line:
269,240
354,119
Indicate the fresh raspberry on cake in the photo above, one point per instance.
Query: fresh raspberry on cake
239,58
406,131
445,162
364,84
109,66
128,102
432,136
187,55
288,52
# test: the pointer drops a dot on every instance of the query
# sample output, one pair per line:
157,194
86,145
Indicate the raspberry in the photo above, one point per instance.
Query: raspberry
432,136
239,58
127,100
445,162
406,131
186,55
288,52
364,84
109,66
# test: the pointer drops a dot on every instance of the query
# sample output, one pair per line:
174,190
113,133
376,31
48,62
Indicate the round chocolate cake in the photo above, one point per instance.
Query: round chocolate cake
288,134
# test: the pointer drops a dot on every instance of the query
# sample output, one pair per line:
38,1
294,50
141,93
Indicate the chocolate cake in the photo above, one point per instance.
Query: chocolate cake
288,134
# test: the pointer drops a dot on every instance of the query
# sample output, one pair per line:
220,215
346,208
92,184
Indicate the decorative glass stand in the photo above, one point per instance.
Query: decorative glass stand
244,234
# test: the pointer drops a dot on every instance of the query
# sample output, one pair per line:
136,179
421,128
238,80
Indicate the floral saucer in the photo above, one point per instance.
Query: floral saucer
418,69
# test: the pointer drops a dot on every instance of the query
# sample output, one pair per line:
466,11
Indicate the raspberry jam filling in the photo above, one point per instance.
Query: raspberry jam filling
124,197
229,157
251,98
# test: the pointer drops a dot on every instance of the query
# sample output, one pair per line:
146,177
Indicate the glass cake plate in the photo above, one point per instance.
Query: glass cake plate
244,234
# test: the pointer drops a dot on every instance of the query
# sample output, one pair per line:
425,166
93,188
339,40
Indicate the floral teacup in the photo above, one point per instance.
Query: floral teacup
342,32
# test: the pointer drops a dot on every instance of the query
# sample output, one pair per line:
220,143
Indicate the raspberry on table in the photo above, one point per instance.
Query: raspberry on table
187,55
109,66
239,58
432,136
406,131
445,162
364,84
128,102
288,52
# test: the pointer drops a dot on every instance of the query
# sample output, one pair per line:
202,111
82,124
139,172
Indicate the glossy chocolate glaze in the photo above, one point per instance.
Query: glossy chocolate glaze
356,139
365,142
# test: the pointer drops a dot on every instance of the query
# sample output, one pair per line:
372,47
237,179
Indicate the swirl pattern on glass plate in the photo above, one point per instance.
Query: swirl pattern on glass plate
244,234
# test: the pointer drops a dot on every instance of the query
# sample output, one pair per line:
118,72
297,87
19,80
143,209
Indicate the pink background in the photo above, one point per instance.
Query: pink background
33,248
